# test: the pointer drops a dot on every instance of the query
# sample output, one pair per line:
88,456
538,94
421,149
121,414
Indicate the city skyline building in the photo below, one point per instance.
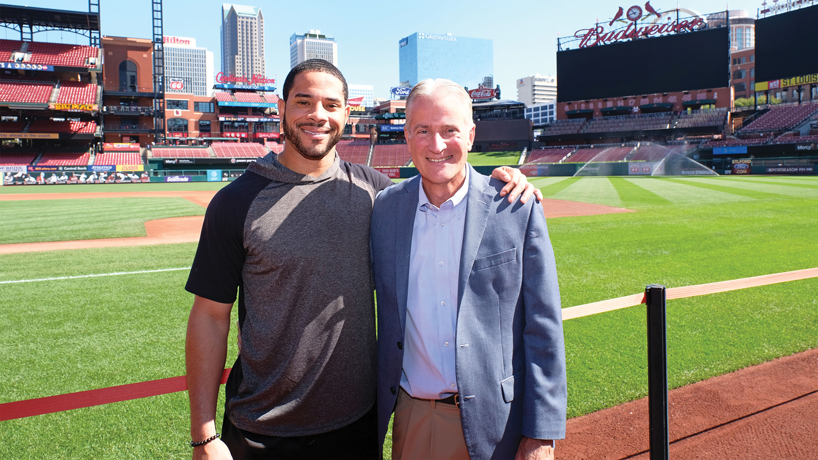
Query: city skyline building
365,91
188,68
536,89
313,45
466,61
242,41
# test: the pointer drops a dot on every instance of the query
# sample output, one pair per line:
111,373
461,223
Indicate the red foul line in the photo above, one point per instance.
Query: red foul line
60,403
81,399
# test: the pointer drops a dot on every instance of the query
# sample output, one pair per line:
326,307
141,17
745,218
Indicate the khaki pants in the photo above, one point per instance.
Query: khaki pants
425,429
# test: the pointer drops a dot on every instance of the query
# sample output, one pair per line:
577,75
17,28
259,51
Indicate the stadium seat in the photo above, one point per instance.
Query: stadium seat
72,92
58,54
248,97
394,155
177,152
353,151
118,158
30,92
548,155
238,150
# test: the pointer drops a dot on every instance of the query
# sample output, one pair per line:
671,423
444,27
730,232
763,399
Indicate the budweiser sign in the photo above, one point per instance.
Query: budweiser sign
483,93
254,80
599,35
355,102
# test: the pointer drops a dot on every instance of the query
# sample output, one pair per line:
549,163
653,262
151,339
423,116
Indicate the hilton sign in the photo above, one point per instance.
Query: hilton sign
600,36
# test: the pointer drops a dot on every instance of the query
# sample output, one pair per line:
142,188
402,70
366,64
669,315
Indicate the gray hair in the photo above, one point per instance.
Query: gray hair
429,87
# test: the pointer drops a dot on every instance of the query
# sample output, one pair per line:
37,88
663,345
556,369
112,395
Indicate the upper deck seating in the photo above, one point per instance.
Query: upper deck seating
58,54
74,92
7,47
34,92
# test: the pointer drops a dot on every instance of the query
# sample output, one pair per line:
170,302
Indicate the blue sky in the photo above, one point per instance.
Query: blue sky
524,32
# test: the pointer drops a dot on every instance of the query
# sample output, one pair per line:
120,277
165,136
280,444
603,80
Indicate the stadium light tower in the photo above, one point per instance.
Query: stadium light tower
158,73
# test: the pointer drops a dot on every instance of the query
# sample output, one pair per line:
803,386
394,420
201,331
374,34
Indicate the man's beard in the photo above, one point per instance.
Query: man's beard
307,151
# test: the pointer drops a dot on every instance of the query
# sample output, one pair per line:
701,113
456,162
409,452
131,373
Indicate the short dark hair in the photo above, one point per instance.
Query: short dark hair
313,65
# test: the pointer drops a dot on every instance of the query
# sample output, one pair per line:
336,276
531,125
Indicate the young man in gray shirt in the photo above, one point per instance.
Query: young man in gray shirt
292,237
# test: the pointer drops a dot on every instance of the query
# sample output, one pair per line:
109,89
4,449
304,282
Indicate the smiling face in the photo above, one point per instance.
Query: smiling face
314,115
439,133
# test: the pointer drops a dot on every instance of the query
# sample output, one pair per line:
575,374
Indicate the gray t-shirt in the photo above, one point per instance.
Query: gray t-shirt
297,249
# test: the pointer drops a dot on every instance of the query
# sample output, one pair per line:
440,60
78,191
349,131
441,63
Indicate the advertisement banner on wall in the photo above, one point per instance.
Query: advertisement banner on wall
130,168
391,128
214,175
741,166
392,173
642,168
177,178
13,169
120,147
790,170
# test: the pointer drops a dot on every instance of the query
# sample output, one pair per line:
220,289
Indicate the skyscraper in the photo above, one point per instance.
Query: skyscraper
536,89
464,60
242,34
313,45
188,68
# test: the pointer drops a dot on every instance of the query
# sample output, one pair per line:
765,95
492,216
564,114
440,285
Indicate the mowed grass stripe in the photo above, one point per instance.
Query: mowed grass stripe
36,221
726,189
494,158
761,187
632,194
550,190
682,193
774,182
597,190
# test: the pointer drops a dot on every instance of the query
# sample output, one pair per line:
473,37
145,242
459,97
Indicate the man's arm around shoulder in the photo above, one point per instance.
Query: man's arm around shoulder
205,355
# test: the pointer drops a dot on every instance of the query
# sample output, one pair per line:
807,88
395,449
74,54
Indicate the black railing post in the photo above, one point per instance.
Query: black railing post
657,371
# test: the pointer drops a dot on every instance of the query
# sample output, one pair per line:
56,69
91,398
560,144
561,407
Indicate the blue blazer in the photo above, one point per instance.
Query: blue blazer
510,355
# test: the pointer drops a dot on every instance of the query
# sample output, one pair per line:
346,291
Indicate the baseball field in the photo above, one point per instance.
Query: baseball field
94,317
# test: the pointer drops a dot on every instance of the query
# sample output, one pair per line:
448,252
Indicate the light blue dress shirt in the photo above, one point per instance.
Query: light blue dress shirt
431,316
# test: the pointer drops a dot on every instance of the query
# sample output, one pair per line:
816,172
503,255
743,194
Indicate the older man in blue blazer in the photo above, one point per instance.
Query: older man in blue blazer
471,355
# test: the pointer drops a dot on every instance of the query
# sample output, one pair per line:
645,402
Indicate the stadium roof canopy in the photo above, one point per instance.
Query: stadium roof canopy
33,20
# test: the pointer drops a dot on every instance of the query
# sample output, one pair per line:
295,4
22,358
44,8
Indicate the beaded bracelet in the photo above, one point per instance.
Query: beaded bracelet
201,443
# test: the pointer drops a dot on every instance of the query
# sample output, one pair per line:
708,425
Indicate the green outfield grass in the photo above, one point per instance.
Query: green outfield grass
494,158
78,334
63,220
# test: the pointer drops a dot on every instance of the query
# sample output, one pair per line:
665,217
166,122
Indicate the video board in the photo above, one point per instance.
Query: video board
681,62
787,45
